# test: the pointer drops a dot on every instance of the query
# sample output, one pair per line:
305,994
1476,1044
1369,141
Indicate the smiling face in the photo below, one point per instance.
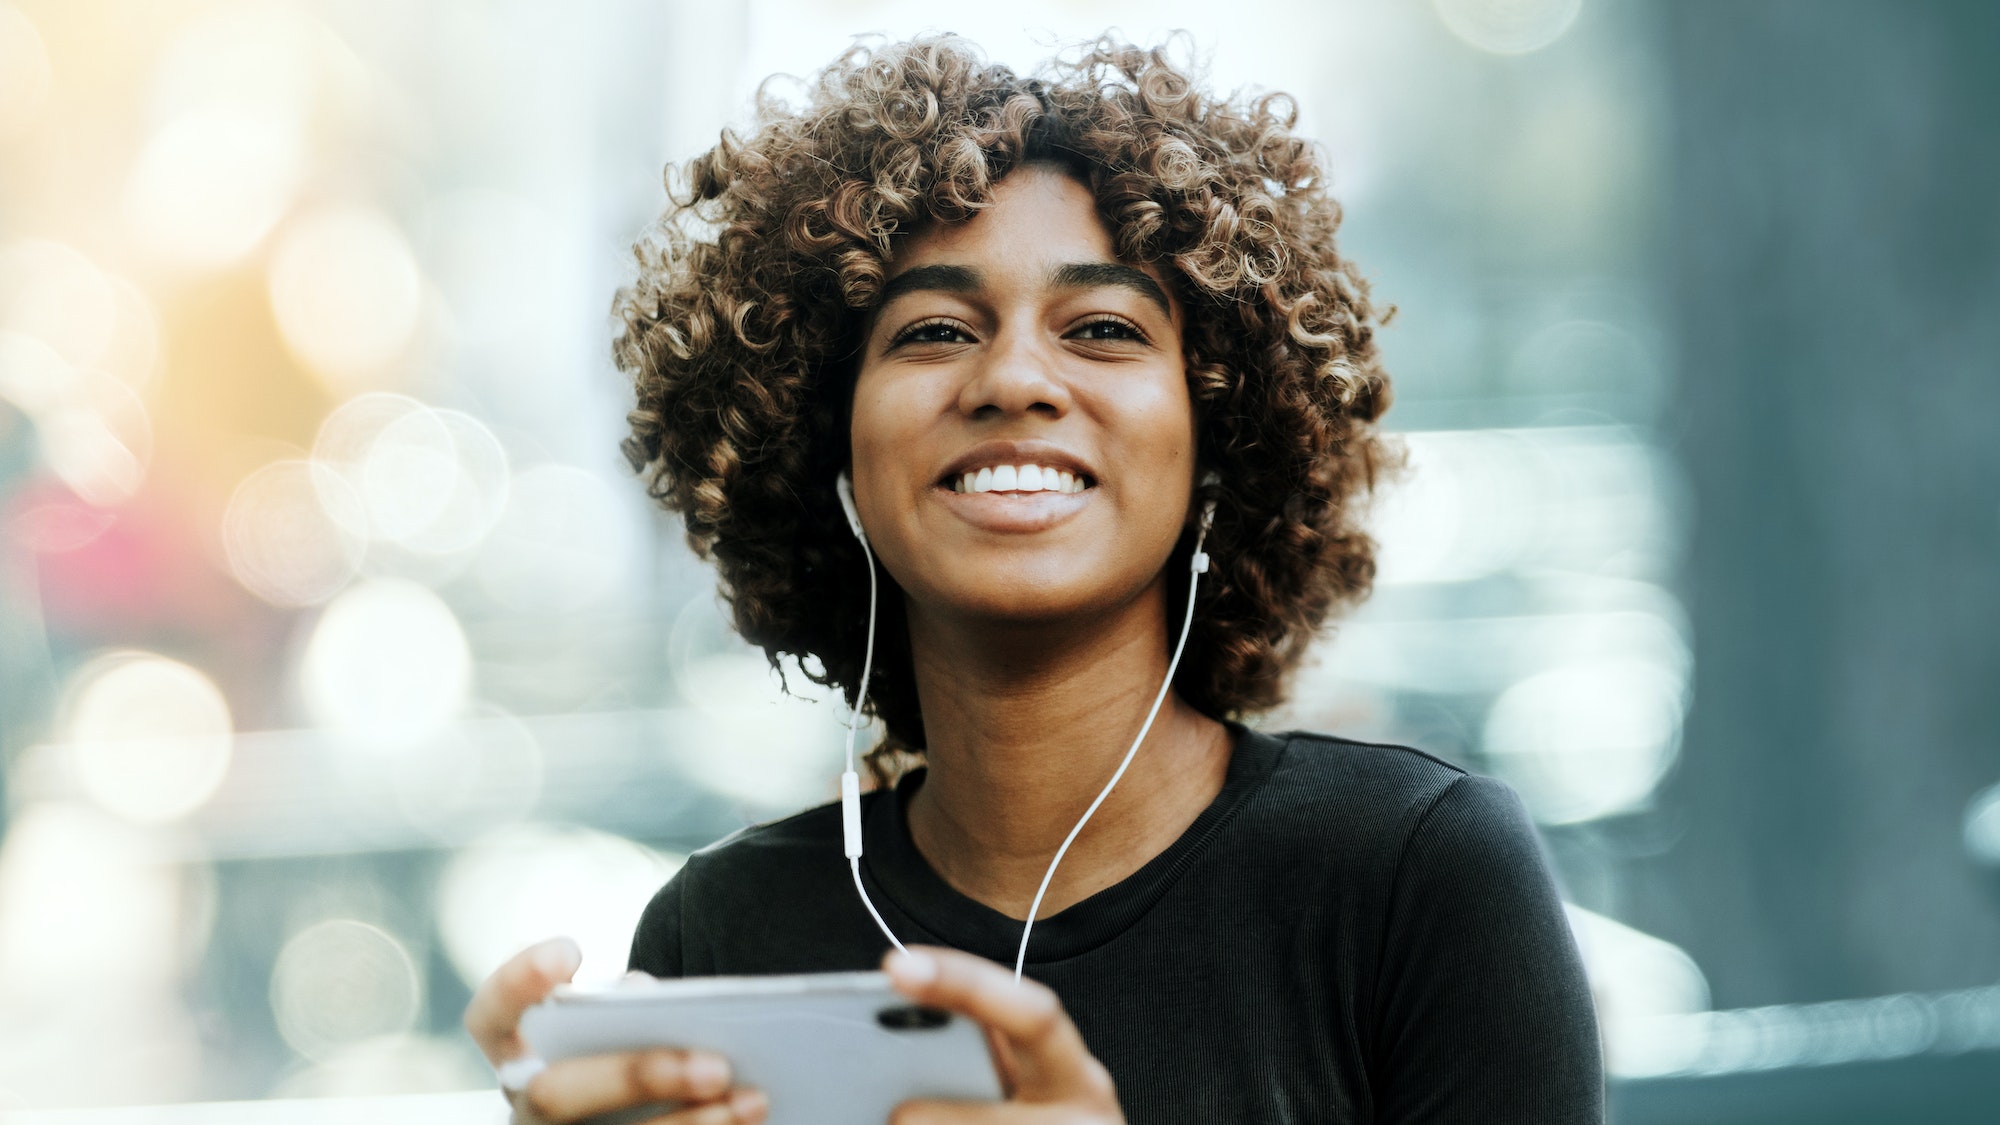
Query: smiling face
1022,434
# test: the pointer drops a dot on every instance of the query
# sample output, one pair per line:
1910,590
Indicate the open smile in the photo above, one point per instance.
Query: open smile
1016,487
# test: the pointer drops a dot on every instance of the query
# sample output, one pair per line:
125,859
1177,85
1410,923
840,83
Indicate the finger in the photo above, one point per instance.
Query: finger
1049,1059
494,1015
742,1107
585,1087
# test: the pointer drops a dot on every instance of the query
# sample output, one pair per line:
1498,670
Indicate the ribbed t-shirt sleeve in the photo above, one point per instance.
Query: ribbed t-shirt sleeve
1483,1011
656,943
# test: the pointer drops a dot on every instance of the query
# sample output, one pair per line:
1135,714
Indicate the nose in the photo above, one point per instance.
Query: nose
1019,374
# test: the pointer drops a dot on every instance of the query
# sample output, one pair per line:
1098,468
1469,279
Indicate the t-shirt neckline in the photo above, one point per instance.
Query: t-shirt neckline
894,865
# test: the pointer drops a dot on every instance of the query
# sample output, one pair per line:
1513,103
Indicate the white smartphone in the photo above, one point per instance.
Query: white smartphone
826,1048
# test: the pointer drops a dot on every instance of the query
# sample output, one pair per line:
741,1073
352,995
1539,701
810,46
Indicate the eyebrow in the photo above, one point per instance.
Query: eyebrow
1092,275
1075,275
942,279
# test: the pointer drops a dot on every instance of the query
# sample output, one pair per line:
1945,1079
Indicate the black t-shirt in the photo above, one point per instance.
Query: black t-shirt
1348,933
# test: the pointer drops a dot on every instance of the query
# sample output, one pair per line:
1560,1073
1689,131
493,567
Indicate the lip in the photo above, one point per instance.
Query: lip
988,454
1013,513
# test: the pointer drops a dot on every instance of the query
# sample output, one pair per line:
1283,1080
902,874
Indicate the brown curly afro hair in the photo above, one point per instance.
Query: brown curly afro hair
742,329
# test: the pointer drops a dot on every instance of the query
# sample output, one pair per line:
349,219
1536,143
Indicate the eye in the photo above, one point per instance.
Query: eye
1108,328
937,330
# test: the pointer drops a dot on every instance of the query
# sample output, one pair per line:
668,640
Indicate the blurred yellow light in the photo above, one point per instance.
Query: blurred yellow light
522,884
1509,27
346,292
342,982
209,185
132,352
244,54
387,666
281,541
150,737
54,293
24,71
84,899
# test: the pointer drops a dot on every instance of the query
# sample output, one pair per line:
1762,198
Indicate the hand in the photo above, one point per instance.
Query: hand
1049,1075
577,1089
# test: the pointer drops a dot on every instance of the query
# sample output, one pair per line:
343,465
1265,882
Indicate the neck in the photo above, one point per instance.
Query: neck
1025,724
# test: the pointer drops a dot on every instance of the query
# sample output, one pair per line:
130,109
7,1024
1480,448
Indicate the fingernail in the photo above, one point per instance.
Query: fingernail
706,1073
913,968
749,1105
558,957
515,1074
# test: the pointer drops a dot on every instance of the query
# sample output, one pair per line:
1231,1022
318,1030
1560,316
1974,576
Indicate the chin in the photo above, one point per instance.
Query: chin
1027,599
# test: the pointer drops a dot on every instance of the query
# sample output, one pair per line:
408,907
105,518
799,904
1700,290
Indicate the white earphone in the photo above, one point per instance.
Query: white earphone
850,782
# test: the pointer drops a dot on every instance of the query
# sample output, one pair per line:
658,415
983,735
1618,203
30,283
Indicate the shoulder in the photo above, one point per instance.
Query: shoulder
1378,805
802,844
786,860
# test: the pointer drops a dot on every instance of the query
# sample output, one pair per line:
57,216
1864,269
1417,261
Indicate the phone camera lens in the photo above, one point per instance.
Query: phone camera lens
910,1017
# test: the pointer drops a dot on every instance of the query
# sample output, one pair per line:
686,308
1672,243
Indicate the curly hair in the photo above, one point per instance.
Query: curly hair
742,329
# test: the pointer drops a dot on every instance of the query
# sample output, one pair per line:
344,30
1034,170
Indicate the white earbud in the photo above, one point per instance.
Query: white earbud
845,487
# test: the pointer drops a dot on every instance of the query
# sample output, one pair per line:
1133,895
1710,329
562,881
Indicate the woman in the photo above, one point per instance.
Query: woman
1045,323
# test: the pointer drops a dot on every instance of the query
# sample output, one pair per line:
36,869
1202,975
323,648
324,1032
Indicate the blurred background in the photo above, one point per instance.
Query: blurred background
340,654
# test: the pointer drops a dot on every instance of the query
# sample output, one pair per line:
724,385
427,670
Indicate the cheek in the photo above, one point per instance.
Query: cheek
880,419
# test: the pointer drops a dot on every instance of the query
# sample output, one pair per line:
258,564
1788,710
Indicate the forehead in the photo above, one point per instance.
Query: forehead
1039,216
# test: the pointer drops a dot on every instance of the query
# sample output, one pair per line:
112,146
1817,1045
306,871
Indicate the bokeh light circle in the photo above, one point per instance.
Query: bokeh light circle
33,375
342,447
1587,740
150,738
283,541
209,185
522,884
346,292
387,666
341,982
98,437
1982,827
431,481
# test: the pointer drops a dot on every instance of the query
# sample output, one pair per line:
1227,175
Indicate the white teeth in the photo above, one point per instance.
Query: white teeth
1019,478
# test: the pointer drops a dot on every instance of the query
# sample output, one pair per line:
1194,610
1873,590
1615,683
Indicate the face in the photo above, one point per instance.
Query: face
1023,437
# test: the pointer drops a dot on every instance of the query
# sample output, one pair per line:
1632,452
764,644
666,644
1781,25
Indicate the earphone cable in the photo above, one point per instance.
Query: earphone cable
1197,565
850,783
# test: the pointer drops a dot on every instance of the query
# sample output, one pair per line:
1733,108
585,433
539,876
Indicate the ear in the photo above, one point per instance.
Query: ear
1211,483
